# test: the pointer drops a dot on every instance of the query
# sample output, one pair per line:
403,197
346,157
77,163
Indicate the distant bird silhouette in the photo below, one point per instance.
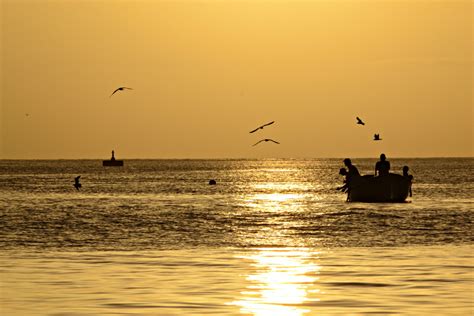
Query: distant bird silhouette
265,140
359,121
120,89
77,185
377,137
261,127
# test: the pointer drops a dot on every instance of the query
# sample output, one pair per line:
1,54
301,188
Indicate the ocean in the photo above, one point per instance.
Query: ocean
272,237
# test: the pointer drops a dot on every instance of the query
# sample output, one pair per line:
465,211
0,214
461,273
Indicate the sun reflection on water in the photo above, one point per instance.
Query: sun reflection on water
283,281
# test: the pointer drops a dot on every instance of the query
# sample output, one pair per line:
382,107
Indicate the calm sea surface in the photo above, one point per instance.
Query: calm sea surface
273,237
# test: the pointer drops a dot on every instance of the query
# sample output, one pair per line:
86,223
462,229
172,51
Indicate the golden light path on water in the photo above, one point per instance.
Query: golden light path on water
284,279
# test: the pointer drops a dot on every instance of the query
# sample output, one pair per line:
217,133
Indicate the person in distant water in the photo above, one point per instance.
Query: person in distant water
113,156
77,184
408,176
382,167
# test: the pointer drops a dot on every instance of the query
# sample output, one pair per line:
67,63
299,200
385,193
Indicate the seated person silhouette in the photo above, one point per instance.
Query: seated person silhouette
352,170
408,176
113,156
382,167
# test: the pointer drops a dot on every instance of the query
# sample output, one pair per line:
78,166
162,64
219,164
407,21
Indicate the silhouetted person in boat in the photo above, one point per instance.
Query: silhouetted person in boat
352,170
408,176
113,156
382,167
77,185
346,187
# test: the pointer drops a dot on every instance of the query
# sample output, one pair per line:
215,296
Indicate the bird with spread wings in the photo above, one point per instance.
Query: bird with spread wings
261,127
265,140
359,121
120,89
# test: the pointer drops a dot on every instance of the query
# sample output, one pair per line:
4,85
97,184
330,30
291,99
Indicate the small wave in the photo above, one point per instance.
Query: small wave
383,215
358,284
342,213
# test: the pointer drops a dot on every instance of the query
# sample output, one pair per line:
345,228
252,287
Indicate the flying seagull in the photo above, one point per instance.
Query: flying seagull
77,185
265,140
120,89
359,121
261,127
377,137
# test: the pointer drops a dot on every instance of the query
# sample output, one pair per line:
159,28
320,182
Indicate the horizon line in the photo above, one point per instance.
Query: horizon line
247,158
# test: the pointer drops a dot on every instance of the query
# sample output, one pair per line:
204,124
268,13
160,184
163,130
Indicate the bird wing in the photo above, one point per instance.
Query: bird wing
114,92
255,130
359,120
127,88
274,141
268,124
258,142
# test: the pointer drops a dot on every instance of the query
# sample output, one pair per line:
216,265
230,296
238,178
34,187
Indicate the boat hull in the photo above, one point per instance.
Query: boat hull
389,188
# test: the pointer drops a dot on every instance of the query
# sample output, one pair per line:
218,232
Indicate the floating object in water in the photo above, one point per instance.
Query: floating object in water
77,184
112,162
212,182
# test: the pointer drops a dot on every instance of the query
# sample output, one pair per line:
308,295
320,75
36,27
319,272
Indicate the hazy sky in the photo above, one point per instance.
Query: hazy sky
205,73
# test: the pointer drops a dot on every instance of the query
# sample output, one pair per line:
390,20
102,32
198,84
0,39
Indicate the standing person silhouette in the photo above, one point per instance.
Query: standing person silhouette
382,167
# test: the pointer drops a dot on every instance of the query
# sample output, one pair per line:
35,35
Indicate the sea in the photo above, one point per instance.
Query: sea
272,237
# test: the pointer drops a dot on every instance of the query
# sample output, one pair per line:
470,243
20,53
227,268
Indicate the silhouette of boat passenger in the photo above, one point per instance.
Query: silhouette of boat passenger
408,176
352,170
77,184
382,167
345,187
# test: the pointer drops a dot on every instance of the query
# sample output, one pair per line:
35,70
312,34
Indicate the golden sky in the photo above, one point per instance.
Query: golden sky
205,73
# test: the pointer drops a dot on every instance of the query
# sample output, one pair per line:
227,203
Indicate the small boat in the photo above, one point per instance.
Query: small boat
112,162
390,188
